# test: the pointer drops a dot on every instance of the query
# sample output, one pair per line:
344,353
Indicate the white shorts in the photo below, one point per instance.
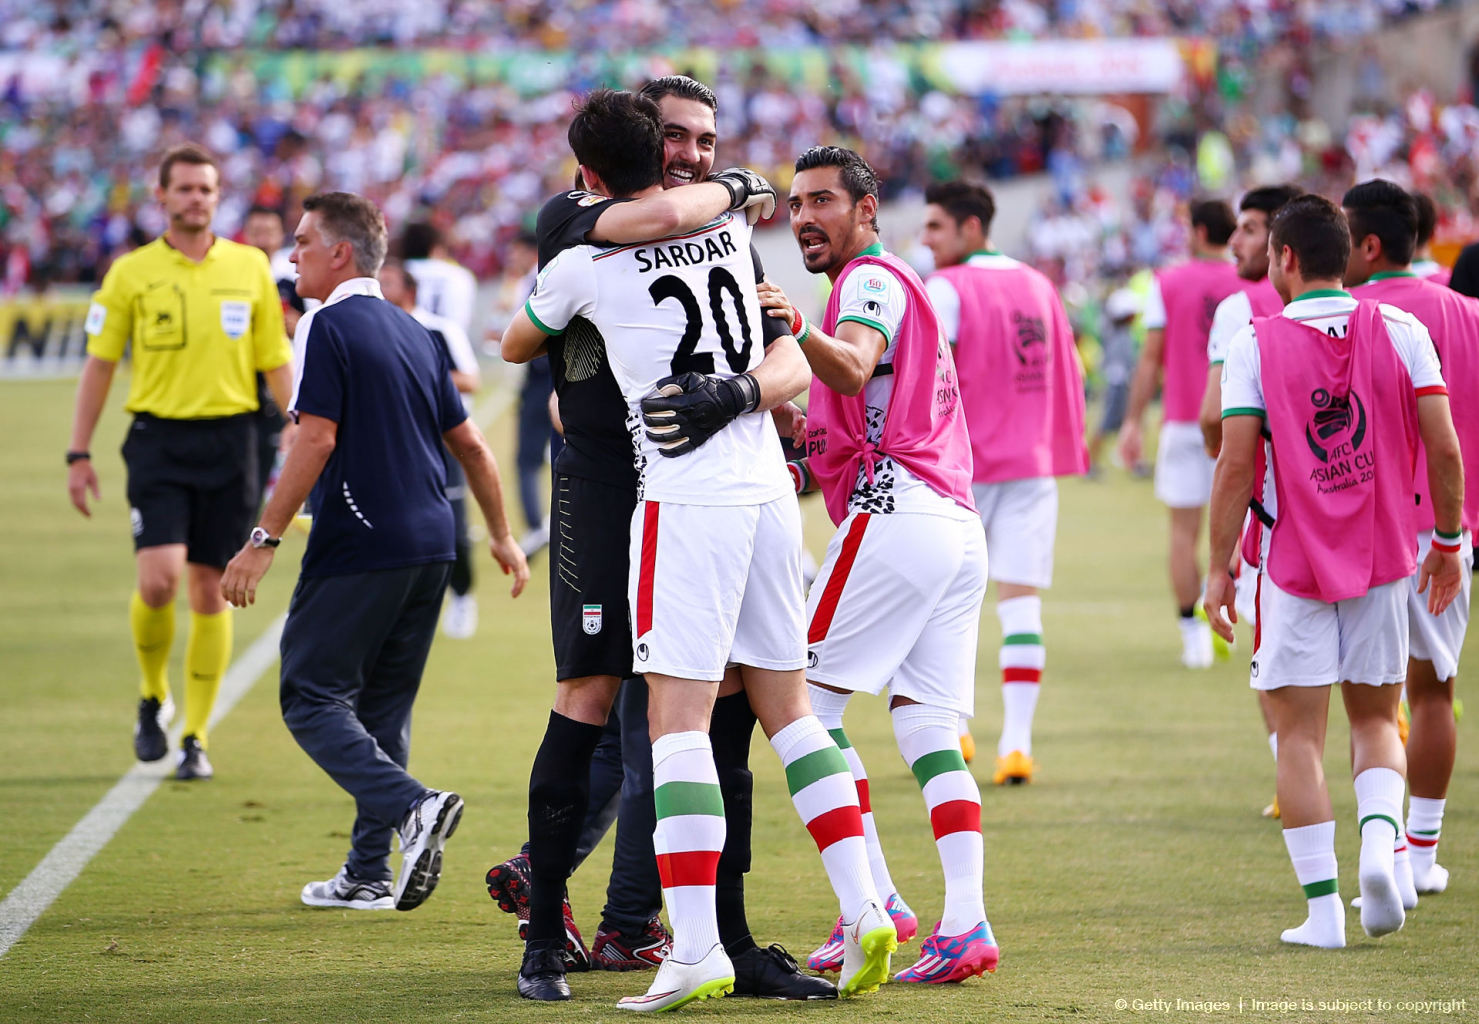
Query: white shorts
716,585
898,604
1183,472
1440,638
1021,521
1298,641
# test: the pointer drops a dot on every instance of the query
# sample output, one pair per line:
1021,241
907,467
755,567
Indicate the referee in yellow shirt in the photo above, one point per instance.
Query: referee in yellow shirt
203,316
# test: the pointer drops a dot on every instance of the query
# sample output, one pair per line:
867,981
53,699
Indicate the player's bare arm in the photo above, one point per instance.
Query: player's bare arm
1232,486
656,216
1441,575
1142,387
522,339
844,361
316,439
1209,418
92,392
466,442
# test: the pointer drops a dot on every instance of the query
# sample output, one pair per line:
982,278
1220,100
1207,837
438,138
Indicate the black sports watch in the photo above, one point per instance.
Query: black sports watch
262,539
78,457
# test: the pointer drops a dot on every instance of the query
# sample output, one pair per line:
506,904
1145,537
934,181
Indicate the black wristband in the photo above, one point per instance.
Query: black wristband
78,457
734,195
743,392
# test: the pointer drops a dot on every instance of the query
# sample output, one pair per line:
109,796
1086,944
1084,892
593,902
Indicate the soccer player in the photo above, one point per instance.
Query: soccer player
1423,264
203,317
1382,226
1023,391
373,390
726,507
446,288
597,483
1256,297
897,603
1178,316
1343,389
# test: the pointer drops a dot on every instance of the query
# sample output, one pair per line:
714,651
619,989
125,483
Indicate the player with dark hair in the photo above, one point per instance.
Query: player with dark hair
723,506
1423,264
1453,321
1023,391
1178,318
1256,297
1343,390
897,603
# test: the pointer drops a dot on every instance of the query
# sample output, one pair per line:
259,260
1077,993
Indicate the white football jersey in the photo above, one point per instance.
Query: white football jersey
445,288
667,307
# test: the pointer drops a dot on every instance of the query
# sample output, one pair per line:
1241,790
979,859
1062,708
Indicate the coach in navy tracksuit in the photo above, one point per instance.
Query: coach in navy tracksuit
375,403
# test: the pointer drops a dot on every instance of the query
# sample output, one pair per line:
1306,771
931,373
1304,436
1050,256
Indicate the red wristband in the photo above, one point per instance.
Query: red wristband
796,320
1448,546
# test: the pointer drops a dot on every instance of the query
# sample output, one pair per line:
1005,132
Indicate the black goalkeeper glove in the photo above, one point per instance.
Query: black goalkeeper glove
685,410
748,191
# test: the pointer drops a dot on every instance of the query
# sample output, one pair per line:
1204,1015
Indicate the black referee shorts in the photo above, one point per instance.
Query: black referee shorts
192,482
590,531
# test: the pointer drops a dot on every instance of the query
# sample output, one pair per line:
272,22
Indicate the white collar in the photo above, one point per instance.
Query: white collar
355,286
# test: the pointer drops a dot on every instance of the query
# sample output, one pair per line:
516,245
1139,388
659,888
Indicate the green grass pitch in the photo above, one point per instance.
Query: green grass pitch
1136,868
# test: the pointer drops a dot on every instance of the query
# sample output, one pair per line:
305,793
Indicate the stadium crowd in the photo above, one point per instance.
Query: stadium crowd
92,93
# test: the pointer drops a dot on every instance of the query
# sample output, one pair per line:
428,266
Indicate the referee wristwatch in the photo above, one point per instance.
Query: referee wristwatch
262,539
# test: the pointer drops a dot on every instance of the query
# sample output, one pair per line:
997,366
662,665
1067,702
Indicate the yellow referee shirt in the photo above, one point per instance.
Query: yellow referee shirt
200,331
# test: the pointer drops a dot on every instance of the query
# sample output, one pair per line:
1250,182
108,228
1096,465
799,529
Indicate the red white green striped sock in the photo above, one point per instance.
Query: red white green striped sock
931,745
688,838
1022,660
826,797
1424,827
829,706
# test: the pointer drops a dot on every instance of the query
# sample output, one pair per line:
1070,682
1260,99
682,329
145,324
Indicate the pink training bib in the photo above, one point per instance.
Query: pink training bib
1190,293
1343,419
1453,321
923,428
1020,380
1265,301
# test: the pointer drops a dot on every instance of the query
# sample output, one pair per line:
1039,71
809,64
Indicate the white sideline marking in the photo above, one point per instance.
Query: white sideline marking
57,870
24,904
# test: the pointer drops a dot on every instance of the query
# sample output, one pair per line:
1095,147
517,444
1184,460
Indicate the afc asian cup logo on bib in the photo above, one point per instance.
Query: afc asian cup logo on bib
590,619
1335,416
236,319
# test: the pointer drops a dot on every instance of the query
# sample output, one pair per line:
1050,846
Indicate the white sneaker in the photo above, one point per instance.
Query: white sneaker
424,831
461,620
678,984
351,893
867,944
1196,644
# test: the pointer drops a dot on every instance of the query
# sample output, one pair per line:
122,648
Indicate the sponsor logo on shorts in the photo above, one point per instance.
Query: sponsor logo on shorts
236,318
642,652
136,520
590,618
812,660
1254,669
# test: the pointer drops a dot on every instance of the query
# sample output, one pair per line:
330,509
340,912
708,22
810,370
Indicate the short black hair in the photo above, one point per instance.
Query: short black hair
418,239
683,87
1269,198
526,238
619,136
961,199
1384,209
857,177
408,279
1427,217
1316,230
261,210
1215,217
